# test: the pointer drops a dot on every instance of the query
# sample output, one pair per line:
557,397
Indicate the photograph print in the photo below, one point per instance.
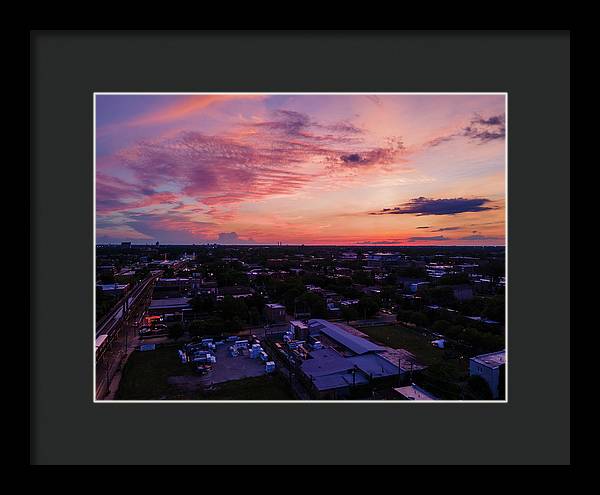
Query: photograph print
300,247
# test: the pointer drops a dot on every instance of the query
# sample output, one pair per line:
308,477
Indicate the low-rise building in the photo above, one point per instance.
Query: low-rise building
160,307
348,362
462,292
413,392
275,312
491,367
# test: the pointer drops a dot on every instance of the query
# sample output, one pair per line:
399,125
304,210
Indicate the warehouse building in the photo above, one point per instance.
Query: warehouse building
348,364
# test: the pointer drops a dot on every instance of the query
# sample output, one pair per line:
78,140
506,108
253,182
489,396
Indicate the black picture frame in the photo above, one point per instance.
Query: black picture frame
67,67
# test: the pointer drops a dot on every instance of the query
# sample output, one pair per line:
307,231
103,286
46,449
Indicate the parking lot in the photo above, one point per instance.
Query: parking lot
233,368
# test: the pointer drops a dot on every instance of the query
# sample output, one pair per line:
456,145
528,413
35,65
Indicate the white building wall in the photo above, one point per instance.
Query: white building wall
490,375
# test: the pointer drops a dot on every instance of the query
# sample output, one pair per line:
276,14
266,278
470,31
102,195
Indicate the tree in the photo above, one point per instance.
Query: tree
175,331
478,388
232,308
415,317
362,277
495,309
443,296
454,331
368,306
440,326
203,304
413,272
315,304
349,313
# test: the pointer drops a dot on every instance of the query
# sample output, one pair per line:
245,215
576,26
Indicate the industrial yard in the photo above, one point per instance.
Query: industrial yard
298,323
161,375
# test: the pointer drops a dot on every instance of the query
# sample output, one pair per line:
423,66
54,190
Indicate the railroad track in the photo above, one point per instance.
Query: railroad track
108,324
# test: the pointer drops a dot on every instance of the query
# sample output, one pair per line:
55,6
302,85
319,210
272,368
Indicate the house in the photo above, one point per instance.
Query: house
275,312
491,367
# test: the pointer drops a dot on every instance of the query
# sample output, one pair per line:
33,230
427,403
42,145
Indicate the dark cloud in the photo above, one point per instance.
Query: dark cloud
172,227
380,243
444,229
427,238
496,120
287,122
478,237
344,127
427,206
479,128
439,140
426,227
352,158
384,155
486,130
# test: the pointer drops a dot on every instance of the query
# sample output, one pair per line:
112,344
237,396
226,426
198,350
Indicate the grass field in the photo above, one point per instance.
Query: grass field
146,374
444,375
266,387
400,337
146,377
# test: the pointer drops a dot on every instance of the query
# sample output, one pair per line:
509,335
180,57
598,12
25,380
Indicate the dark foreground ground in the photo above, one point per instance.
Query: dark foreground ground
160,375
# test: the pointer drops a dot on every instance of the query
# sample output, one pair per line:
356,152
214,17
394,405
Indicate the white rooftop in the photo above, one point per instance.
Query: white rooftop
413,392
492,359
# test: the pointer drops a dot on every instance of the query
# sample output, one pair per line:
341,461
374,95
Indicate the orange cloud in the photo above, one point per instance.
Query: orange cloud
189,105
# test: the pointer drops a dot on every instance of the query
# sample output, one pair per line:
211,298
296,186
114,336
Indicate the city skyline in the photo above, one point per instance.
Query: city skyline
319,169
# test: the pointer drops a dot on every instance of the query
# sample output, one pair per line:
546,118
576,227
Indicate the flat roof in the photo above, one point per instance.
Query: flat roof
492,359
298,323
170,303
325,362
356,344
338,380
374,365
413,392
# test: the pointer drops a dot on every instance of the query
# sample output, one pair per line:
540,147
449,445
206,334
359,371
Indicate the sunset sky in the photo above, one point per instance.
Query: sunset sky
301,169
